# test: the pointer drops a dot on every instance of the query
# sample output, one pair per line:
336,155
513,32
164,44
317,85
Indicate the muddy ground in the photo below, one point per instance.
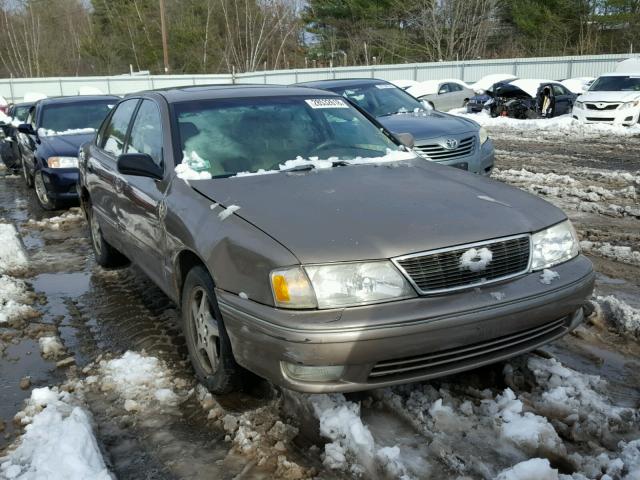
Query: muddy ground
101,314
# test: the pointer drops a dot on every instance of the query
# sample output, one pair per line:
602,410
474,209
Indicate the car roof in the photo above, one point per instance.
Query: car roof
75,98
621,74
345,82
206,92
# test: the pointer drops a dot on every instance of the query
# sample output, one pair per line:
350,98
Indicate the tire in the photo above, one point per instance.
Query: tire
45,201
106,256
207,340
28,179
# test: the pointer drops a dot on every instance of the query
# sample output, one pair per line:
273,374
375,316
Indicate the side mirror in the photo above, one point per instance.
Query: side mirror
26,128
406,139
427,106
140,165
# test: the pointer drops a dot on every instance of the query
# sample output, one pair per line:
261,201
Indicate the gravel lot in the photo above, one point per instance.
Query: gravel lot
573,405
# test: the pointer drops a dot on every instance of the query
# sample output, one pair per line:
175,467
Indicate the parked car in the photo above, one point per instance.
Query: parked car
613,98
330,259
489,81
50,140
477,103
443,95
9,143
525,98
443,138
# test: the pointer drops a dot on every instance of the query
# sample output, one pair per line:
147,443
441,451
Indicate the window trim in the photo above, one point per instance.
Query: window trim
126,135
133,122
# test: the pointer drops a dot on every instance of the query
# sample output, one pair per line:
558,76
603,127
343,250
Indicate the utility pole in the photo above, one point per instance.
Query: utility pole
163,27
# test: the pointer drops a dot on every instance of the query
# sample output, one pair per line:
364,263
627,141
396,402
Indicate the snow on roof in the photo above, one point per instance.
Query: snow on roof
488,81
630,65
530,85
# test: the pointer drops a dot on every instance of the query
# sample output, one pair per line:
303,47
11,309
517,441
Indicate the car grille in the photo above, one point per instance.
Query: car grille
435,151
444,361
600,119
440,270
593,106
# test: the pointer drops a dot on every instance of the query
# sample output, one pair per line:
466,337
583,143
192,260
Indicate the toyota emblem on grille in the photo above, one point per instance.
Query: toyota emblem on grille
601,105
451,144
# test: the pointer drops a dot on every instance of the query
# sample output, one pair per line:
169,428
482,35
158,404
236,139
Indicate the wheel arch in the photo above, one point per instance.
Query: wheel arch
184,261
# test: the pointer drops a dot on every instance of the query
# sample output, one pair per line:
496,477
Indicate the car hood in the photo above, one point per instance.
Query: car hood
609,96
423,126
379,211
65,145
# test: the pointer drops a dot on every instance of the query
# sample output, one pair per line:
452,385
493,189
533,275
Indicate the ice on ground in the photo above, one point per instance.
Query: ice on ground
614,313
14,300
547,276
624,254
563,125
145,380
12,255
51,347
533,469
228,212
45,132
193,167
476,260
58,442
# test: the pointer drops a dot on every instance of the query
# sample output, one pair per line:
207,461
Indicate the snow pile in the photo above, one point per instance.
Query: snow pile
45,132
193,167
14,300
58,443
228,212
563,125
533,469
139,380
618,315
622,254
51,347
352,446
12,255
325,164
74,215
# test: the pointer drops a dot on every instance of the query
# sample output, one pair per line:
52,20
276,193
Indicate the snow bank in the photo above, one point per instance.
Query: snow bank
614,313
45,132
619,253
14,300
533,469
139,380
12,255
558,126
58,442
73,216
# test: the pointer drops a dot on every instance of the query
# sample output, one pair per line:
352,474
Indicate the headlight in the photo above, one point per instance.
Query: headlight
484,136
633,104
339,285
554,245
578,105
62,162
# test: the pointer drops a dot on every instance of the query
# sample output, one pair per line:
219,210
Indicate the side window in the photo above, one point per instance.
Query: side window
116,131
146,133
558,90
444,88
454,87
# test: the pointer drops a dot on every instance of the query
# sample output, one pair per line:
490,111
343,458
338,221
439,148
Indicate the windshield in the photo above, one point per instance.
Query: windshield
616,84
21,112
225,137
380,99
84,115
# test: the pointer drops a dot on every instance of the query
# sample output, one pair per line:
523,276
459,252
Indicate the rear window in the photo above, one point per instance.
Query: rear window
75,116
229,136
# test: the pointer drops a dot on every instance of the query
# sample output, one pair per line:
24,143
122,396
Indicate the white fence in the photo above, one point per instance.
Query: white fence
551,68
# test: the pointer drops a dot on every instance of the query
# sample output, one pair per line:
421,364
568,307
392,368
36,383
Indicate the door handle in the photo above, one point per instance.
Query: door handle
119,185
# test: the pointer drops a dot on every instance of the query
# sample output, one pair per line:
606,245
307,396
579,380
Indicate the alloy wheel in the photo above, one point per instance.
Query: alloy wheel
95,233
205,330
41,190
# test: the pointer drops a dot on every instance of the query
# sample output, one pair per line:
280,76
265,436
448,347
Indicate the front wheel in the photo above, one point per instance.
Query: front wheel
207,340
28,179
44,199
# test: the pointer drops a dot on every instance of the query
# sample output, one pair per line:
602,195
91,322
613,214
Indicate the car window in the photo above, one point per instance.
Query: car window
146,133
444,88
616,83
116,131
380,99
21,112
228,136
454,87
559,90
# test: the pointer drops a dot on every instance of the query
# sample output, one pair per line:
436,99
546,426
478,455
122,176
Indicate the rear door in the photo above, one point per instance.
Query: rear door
564,99
141,205
102,178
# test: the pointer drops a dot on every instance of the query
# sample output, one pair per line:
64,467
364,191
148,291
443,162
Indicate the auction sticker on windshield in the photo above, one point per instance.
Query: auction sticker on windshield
326,103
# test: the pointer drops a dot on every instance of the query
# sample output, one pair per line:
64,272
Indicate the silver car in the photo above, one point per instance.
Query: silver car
447,139
443,94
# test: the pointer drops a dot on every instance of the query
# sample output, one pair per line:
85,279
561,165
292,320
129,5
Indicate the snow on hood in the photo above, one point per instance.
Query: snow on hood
45,132
621,96
486,82
530,86
577,85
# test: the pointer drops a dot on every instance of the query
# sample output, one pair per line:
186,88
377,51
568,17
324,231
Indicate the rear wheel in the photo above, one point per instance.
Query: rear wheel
106,256
28,179
44,199
207,340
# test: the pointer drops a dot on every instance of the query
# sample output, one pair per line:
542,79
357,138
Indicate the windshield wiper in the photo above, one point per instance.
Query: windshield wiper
310,166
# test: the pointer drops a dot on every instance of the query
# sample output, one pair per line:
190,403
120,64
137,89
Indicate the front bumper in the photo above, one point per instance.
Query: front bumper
628,116
409,340
61,183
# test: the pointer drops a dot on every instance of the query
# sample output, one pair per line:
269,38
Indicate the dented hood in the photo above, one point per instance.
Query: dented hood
373,212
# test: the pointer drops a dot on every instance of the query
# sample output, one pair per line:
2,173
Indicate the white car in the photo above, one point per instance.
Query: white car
613,98
443,94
